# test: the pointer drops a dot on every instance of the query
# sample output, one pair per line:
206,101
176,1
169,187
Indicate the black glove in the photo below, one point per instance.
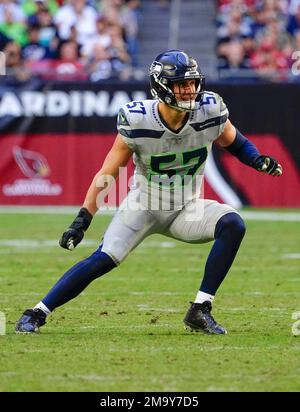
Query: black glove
75,233
267,164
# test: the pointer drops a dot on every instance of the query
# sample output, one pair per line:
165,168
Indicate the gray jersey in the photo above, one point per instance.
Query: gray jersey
169,165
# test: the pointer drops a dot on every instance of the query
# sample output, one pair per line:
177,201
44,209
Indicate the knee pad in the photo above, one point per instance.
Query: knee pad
231,223
100,262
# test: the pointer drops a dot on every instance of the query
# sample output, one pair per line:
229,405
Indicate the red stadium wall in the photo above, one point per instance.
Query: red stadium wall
50,169
261,189
55,136
57,170
258,189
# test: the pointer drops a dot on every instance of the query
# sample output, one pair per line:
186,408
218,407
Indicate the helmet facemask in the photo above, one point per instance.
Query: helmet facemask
188,103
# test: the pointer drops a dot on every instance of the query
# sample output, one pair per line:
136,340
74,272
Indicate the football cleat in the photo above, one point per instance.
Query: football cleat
200,319
31,321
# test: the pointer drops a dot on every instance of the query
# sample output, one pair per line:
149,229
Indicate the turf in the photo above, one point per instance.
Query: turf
125,332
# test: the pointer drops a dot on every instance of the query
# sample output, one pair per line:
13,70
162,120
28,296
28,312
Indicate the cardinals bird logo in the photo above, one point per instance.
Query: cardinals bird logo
32,164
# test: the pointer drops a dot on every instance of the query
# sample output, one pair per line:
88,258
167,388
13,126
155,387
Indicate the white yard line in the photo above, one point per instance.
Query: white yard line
291,256
45,244
271,216
39,244
71,210
48,210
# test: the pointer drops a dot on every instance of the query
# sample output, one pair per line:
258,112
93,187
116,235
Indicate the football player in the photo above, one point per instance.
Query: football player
169,137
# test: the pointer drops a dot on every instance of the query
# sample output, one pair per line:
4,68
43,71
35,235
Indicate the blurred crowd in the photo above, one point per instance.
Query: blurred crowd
70,39
257,37
97,40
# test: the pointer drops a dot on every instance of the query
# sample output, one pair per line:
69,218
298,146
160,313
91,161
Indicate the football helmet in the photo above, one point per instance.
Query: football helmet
175,66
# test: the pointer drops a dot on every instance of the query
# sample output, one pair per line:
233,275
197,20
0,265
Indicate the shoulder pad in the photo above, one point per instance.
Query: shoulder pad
122,118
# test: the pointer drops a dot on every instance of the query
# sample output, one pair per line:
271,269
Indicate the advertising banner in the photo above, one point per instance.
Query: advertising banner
55,136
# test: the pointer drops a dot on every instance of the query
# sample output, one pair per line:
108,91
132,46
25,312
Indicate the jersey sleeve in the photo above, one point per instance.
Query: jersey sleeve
224,114
216,112
124,128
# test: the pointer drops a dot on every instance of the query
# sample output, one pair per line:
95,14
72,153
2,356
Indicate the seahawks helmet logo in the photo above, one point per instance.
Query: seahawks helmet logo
156,68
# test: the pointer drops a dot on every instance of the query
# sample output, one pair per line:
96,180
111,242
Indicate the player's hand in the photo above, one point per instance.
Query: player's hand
71,238
74,235
268,164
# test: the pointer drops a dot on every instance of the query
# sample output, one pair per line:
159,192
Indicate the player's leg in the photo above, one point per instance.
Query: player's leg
124,233
223,224
71,284
127,229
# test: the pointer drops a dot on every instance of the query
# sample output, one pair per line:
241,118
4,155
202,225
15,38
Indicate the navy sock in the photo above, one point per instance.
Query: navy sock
229,232
77,278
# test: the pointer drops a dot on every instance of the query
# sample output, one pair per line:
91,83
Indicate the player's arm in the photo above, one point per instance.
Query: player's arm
239,146
117,157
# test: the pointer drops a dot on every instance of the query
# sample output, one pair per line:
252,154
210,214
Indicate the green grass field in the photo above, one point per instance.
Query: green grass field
125,332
